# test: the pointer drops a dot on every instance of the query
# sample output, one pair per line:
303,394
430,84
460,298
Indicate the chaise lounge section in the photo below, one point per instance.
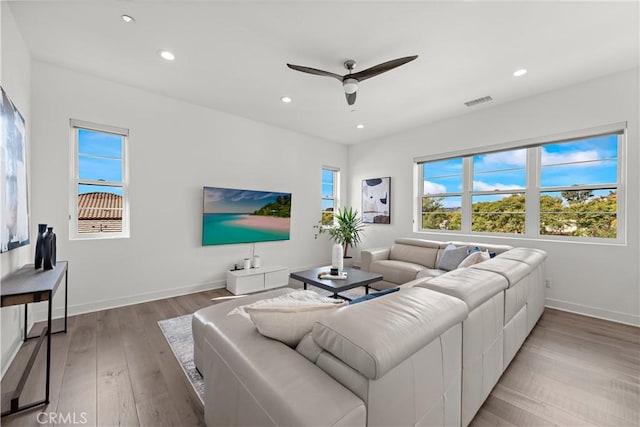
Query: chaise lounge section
352,369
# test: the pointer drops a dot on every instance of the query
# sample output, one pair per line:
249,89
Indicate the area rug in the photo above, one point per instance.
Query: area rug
177,332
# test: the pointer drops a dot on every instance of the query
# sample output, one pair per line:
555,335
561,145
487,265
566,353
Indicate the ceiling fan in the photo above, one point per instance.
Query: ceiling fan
351,80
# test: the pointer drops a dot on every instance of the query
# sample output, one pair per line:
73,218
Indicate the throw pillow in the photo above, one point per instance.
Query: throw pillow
300,295
474,258
289,319
451,258
471,259
373,295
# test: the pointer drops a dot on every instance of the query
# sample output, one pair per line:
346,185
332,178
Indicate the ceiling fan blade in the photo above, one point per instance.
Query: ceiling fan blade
314,71
381,68
351,98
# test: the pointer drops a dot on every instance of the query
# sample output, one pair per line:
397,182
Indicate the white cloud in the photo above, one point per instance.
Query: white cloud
434,188
484,186
571,157
504,159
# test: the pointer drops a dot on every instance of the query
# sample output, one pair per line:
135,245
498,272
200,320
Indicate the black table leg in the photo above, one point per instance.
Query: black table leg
25,321
66,293
366,289
50,309
305,286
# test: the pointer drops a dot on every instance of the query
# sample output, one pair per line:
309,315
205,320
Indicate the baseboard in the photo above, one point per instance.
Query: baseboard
599,313
41,315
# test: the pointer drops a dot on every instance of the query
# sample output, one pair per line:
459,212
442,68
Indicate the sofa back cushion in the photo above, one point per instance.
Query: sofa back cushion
416,251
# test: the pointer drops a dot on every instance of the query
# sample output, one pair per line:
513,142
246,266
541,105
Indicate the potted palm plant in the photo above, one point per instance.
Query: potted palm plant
346,228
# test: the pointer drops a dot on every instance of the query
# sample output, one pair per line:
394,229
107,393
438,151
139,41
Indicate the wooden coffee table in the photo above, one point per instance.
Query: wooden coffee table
355,278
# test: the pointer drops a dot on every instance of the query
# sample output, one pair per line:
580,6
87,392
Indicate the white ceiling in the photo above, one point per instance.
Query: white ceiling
232,56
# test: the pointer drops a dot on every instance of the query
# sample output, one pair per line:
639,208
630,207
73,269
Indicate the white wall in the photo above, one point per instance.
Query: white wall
593,279
175,149
15,78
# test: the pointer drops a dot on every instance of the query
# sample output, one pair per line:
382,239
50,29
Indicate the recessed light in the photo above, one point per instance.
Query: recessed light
285,99
128,19
360,126
520,72
166,55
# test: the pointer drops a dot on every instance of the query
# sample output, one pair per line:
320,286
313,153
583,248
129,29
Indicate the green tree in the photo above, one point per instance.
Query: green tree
281,207
505,215
327,217
436,217
577,196
552,217
595,217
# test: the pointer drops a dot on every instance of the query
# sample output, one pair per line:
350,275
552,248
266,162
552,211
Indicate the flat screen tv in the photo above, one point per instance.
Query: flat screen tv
244,216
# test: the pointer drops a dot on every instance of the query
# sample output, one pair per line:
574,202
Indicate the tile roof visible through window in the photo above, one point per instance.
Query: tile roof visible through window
99,212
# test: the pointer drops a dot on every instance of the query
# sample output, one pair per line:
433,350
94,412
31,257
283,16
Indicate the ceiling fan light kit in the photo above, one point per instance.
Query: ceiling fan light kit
350,85
351,80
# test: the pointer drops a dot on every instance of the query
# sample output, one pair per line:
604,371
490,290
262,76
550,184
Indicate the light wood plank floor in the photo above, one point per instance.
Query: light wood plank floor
114,367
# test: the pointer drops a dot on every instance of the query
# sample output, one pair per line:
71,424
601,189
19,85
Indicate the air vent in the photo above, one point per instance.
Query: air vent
478,101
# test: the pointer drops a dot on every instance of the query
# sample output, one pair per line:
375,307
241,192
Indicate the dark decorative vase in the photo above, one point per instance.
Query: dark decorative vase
42,229
49,252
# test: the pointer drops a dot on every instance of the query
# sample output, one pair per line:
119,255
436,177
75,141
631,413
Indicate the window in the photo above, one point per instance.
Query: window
568,186
497,196
579,188
99,207
330,188
442,195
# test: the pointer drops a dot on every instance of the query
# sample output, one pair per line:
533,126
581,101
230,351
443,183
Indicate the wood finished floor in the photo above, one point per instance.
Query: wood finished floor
116,367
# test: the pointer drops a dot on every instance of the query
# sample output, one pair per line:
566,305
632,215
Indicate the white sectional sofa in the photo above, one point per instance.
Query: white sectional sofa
426,355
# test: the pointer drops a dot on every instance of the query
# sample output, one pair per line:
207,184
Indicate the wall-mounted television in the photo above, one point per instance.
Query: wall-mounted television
244,216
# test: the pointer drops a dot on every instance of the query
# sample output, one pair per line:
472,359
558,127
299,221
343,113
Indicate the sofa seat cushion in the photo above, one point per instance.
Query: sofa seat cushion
429,272
395,271
398,325
512,270
472,286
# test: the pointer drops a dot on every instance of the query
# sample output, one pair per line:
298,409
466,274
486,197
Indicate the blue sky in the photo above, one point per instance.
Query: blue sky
227,200
100,159
587,161
327,188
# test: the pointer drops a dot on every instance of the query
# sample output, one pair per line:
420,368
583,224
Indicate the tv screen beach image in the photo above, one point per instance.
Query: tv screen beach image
244,216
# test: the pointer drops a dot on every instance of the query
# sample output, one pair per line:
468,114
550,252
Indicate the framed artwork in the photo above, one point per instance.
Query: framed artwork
14,212
376,201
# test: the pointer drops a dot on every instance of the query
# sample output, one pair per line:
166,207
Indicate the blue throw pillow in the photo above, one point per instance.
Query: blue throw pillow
373,295
470,251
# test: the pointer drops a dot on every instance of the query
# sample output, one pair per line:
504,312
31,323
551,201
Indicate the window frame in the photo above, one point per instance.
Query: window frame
74,127
533,189
336,193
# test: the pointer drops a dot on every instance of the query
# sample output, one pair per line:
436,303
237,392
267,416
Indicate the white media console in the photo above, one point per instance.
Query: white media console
256,279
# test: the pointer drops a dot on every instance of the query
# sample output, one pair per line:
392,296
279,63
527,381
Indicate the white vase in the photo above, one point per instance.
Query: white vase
246,263
256,261
337,257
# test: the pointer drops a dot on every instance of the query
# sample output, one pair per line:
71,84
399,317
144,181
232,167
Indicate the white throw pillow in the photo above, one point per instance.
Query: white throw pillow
289,317
471,259
474,258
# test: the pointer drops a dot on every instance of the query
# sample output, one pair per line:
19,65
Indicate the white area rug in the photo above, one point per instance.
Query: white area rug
177,332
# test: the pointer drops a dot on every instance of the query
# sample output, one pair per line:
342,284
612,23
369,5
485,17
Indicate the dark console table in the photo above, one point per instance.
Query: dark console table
25,286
